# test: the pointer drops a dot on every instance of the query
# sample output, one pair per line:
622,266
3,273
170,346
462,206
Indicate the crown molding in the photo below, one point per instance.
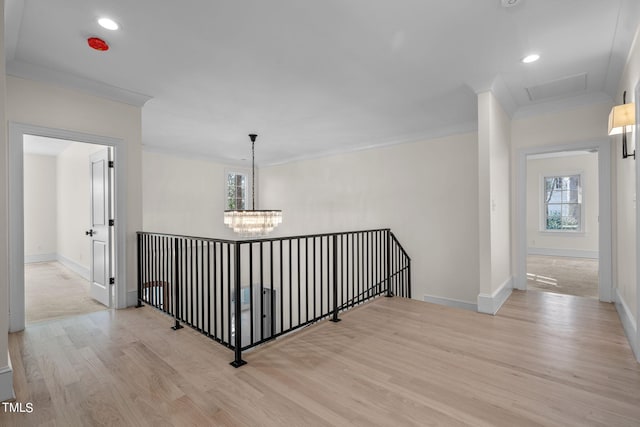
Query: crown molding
431,134
29,71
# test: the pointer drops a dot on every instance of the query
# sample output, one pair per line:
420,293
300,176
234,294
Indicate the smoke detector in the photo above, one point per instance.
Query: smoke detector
510,3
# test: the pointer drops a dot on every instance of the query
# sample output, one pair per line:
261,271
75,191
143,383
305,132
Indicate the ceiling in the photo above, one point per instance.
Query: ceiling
320,77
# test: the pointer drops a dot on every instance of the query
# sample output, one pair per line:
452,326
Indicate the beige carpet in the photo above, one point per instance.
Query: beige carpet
52,291
563,275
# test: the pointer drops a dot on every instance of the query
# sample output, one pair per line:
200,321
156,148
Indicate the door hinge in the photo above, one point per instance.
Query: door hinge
112,280
111,164
112,222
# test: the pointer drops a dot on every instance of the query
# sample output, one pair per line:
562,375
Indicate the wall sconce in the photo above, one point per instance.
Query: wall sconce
620,117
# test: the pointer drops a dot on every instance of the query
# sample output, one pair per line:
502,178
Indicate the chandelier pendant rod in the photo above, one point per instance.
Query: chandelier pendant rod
253,137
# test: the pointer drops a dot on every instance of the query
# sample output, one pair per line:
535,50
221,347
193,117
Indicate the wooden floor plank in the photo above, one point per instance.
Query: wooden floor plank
544,360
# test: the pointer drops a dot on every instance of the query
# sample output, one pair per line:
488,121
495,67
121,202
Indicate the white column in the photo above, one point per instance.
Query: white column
6,374
494,203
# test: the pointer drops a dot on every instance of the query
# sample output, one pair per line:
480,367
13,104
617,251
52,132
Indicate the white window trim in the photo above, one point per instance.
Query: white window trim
239,170
542,226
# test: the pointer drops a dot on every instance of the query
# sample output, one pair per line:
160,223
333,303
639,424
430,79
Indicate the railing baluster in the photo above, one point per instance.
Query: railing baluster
306,274
365,260
353,269
281,243
147,264
357,266
262,293
208,287
321,264
215,290
250,293
158,276
165,299
298,282
228,299
290,284
314,263
378,259
271,296
152,273
335,279
198,282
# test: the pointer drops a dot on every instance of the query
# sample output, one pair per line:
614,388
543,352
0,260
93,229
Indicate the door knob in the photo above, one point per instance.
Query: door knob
90,233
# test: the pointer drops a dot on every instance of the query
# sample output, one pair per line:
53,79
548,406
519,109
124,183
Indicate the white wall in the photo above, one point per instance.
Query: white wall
40,207
74,204
494,194
183,195
425,192
48,105
627,217
6,380
583,243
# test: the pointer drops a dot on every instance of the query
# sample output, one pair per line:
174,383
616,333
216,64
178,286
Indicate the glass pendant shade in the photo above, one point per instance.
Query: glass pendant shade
252,223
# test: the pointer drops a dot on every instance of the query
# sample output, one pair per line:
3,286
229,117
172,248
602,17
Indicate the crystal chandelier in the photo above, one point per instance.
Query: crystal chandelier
253,222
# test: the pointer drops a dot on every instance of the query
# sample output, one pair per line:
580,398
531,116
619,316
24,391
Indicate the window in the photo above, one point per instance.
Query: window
563,203
237,185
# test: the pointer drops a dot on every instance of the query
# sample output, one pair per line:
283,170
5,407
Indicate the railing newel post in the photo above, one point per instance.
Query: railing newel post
409,278
237,362
335,279
388,262
176,287
139,271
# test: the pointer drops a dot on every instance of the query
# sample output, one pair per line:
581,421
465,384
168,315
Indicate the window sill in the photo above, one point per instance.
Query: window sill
563,232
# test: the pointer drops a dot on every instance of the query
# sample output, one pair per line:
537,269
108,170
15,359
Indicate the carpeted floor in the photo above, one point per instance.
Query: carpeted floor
52,291
563,275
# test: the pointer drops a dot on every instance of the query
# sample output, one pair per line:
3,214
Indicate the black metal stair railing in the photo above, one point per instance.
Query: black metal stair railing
283,283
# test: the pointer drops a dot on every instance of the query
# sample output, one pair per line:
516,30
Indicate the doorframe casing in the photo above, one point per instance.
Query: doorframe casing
16,212
605,282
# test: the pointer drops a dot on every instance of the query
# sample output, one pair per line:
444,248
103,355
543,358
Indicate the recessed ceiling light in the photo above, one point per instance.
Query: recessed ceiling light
107,23
531,58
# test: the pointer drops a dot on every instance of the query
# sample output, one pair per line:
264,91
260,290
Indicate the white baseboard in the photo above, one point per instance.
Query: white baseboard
450,302
628,324
74,266
572,253
28,259
6,383
132,298
490,304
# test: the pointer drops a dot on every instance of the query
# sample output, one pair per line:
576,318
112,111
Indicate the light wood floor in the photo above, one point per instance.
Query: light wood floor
545,359
52,291
563,275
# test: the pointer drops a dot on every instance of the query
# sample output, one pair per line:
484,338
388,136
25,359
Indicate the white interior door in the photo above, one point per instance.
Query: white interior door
100,234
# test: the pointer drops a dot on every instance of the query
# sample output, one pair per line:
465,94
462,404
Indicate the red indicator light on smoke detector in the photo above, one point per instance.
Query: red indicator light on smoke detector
97,44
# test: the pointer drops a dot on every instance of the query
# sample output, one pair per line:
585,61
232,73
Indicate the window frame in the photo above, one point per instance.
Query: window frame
543,204
247,195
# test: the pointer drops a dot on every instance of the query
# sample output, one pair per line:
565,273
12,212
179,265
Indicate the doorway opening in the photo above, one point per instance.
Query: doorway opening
57,216
107,283
564,220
